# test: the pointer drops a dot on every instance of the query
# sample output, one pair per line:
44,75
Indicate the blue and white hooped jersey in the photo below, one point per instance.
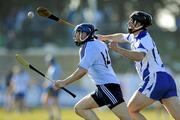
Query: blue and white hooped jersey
94,57
143,43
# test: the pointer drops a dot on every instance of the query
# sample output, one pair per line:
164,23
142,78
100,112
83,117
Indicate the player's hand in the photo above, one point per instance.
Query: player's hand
114,46
59,84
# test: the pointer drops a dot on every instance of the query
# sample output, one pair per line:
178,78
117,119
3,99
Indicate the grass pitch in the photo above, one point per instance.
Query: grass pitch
68,114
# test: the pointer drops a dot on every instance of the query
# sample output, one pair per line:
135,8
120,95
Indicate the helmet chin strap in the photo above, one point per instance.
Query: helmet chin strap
82,40
130,31
137,29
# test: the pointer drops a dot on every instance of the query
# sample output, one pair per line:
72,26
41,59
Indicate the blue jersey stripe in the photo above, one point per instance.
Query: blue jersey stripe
141,66
141,34
146,72
154,55
128,37
141,46
162,65
144,85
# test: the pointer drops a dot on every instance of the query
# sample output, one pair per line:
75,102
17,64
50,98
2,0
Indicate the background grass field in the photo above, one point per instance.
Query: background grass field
68,114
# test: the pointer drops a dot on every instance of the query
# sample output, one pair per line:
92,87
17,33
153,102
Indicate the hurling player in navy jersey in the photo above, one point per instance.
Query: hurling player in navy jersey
94,60
158,85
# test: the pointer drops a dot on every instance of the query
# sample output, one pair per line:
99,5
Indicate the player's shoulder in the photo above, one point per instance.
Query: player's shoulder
146,40
95,43
90,45
144,36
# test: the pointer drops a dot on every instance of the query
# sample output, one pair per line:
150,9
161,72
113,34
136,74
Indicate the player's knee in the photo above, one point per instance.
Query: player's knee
77,109
132,109
176,116
125,117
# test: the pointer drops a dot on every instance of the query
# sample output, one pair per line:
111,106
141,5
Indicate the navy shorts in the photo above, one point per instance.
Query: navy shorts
108,94
158,86
19,96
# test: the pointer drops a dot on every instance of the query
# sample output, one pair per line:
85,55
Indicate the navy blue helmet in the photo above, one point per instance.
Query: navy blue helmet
86,27
89,29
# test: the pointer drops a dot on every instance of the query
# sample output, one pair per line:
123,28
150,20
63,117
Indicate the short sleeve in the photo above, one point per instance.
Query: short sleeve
127,37
88,57
144,45
141,48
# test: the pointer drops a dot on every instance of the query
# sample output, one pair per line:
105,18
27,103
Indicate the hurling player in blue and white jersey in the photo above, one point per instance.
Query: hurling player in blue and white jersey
94,60
157,84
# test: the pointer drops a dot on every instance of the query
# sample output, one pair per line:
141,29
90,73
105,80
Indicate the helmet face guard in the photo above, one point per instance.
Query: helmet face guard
89,29
143,18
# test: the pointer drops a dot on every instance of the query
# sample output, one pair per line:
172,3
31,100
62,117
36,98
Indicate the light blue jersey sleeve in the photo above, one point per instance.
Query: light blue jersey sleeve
88,57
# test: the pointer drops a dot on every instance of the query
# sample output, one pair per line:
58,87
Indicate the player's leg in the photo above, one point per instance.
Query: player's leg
47,102
173,106
22,101
137,102
149,91
121,111
44,99
113,98
21,104
55,108
55,105
169,98
84,108
16,103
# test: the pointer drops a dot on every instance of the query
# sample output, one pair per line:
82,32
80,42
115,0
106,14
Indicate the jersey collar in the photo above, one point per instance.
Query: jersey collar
141,34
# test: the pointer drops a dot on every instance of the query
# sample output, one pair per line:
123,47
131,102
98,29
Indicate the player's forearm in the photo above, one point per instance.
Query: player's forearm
132,55
118,37
78,74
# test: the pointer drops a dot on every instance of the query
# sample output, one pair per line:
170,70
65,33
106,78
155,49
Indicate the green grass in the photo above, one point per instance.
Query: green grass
68,114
